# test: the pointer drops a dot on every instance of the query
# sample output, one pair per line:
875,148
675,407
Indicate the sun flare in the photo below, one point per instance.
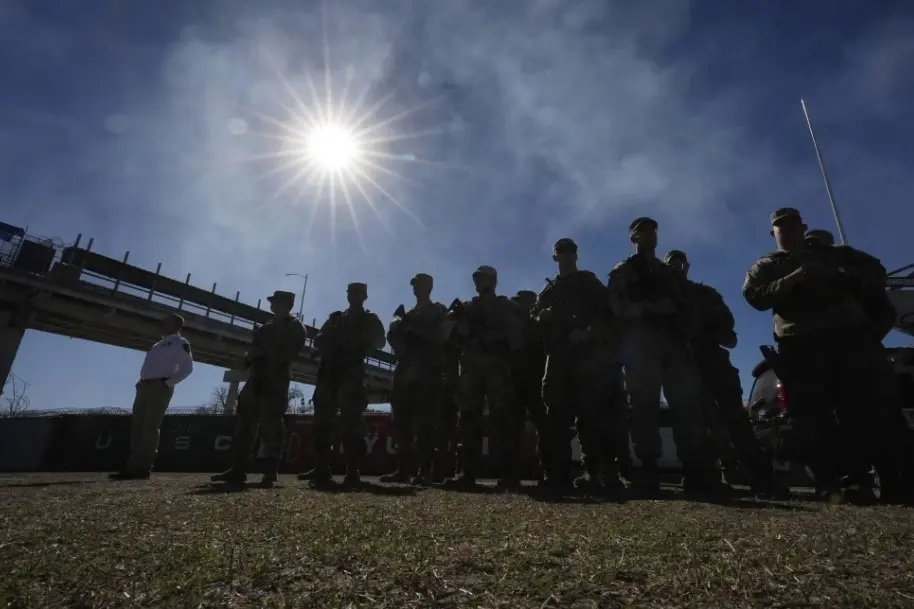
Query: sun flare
333,147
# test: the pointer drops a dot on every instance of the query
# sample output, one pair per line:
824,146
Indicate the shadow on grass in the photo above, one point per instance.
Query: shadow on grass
221,488
736,498
370,488
46,483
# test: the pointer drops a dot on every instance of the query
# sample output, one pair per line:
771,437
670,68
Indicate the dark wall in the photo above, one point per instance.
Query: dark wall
188,443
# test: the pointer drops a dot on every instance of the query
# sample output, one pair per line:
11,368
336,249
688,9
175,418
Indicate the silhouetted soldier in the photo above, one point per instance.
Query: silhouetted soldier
264,399
661,322
340,396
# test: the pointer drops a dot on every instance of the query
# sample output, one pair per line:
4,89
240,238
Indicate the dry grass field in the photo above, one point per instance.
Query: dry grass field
77,540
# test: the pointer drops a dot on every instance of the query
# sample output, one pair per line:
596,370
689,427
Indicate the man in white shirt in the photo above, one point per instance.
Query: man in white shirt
168,363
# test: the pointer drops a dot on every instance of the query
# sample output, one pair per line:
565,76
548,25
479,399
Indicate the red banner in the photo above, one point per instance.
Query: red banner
381,448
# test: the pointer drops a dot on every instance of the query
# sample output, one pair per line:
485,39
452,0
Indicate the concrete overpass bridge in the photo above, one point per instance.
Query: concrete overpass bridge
75,292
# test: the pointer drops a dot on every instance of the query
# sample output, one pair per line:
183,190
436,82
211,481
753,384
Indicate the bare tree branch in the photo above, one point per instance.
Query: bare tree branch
15,400
297,402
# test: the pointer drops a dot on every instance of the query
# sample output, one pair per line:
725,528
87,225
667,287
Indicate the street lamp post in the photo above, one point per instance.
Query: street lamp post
304,288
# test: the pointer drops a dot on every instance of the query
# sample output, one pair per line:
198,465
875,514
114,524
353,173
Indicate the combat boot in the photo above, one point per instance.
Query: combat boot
590,484
613,481
398,476
423,476
648,479
438,473
270,472
353,478
319,477
859,490
703,481
233,475
764,482
511,484
461,481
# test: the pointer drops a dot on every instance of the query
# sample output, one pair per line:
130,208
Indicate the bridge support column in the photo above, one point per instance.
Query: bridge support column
234,378
11,334
231,397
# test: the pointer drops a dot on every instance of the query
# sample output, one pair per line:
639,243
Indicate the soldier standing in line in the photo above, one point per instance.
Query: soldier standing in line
661,324
489,331
340,396
818,237
582,385
418,341
527,370
727,418
263,400
167,363
829,360
449,448
869,276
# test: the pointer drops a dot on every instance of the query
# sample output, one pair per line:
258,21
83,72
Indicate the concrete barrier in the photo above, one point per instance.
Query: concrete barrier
201,443
24,442
85,443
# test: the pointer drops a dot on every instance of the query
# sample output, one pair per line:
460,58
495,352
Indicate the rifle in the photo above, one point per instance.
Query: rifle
397,330
560,319
774,360
481,328
327,346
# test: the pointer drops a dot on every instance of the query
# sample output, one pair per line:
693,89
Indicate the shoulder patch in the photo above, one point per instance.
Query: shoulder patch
185,346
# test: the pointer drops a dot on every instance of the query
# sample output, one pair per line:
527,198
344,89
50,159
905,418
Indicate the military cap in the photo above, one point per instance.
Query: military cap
565,245
785,213
284,297
486,270
357,288
820,235
642,224
421,278
525,294
675,254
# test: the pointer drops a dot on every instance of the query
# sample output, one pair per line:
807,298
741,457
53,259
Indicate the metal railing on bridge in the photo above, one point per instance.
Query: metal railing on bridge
117,278
202,410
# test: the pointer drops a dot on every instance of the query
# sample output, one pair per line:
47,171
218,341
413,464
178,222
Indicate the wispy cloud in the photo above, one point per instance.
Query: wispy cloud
542,119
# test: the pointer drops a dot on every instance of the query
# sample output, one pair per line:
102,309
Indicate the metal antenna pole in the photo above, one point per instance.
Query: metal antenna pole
304,288
301,305
831,196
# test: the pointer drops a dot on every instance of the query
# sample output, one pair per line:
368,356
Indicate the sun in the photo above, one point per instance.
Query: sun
333,147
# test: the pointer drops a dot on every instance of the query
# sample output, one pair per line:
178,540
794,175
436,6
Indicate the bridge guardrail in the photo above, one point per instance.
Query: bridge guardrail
115,287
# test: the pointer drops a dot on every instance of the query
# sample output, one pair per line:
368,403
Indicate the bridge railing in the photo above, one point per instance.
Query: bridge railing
202,410
169,303
114,285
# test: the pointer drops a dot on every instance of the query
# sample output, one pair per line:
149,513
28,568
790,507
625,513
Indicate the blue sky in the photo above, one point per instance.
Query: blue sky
141,124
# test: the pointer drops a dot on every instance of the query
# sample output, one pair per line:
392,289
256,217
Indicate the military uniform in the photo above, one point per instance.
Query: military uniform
583,384
449,448
868,284
488,330
418,339
830,362
263,400
528,367
661,323
340,396
728,422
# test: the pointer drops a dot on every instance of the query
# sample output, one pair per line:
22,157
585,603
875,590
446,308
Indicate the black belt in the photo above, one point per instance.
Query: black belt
157,380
